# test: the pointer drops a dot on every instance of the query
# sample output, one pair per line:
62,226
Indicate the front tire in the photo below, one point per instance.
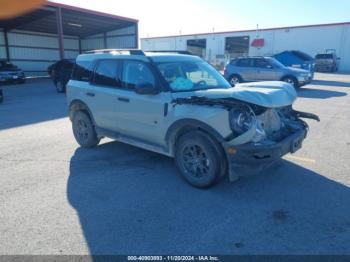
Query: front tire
198,158
292,81
84,131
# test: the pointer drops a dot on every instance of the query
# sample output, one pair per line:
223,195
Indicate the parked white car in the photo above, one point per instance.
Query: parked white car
180,106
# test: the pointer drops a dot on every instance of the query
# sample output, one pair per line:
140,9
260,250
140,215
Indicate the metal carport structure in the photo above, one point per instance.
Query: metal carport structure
56,31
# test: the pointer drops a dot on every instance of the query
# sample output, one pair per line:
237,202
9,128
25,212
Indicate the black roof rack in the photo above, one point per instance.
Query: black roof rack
120,51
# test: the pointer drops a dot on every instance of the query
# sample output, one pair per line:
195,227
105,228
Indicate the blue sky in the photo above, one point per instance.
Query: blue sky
169,17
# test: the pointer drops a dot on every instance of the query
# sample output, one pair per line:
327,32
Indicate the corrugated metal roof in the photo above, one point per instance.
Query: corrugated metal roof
75,21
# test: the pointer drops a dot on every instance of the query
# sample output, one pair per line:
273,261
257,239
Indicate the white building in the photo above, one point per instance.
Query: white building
218,47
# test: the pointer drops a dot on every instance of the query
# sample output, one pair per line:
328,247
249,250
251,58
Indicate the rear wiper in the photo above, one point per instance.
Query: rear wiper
306,115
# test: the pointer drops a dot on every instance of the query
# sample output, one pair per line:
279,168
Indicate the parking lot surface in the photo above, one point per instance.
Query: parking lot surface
57,198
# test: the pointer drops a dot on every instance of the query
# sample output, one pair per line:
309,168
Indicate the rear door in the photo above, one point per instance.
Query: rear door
103,93
245,68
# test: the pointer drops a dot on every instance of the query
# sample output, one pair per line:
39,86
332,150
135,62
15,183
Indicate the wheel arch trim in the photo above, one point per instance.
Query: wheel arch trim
185,125
76,105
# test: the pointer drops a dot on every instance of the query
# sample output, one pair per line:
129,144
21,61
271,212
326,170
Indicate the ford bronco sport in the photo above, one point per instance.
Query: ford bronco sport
180,106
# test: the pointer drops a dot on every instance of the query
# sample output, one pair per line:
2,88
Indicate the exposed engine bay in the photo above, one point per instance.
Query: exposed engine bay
272,125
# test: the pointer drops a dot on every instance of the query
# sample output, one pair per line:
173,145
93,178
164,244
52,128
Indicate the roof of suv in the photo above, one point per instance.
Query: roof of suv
137,55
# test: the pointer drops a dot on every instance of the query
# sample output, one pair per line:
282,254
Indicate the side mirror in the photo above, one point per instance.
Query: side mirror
146,89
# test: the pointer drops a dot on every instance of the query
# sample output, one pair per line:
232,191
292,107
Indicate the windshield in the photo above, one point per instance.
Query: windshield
191,75
276,63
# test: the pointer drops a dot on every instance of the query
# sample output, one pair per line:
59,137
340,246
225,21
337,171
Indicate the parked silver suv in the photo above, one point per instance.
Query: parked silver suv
248,69
180,106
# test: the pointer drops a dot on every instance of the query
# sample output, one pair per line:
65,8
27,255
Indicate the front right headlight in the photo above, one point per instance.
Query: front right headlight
242,119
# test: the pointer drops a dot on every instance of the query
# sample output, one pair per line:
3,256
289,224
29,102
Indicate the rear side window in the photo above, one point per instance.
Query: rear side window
82,71
233,62
244,62
135,73
106,73
262,63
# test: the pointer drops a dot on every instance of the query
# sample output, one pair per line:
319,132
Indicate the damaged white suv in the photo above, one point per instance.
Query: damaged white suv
180,106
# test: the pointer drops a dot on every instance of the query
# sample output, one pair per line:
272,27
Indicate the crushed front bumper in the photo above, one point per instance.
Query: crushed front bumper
256,156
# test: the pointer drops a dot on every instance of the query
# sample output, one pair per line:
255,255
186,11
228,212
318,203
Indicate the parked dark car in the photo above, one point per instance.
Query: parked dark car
60,73
327,62
297,59
9,73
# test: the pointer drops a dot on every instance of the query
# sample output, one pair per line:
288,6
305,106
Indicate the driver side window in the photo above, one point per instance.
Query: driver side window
136,73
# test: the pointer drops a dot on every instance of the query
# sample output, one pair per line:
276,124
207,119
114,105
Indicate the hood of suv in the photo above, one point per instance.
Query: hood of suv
271,94
297,70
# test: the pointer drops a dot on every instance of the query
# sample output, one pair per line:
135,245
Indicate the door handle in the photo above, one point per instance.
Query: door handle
90,94
123,99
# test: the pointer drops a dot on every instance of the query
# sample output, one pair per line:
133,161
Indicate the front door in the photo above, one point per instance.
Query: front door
140,116
265,71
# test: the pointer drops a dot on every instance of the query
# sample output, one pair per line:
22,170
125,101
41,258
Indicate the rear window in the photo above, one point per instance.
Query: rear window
82,71
324,56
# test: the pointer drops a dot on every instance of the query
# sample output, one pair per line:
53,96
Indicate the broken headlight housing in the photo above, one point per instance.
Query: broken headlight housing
242,119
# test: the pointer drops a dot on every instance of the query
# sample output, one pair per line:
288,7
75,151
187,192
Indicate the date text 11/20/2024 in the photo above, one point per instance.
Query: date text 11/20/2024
173,258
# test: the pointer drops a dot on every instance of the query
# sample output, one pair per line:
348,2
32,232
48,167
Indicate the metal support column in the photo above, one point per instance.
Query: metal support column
7,48
80,49
60,32
105,40
137,35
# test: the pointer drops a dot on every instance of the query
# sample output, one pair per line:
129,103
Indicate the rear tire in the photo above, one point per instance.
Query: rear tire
83,130
291,80
235,79
199,160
